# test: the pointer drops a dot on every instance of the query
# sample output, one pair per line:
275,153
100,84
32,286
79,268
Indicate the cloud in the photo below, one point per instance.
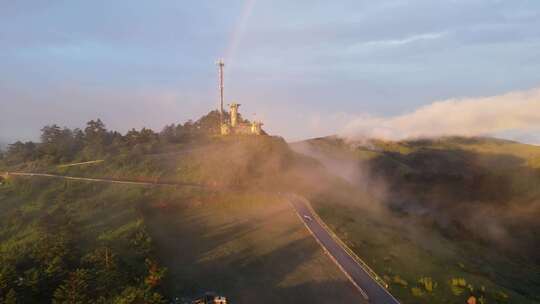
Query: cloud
402,41
515,112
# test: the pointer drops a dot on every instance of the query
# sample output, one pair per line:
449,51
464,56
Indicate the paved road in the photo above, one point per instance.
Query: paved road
360,278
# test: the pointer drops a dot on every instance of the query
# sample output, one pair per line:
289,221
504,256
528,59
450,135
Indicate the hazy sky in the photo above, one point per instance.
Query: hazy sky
305,67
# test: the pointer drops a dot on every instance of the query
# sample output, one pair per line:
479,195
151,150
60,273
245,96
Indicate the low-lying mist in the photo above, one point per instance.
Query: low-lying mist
451,194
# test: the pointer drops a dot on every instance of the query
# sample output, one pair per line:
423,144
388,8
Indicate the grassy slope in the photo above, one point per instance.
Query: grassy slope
248,246
245,243
103,213
405,246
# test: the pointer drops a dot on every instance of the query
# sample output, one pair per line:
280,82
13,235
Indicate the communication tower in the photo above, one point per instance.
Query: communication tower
221,64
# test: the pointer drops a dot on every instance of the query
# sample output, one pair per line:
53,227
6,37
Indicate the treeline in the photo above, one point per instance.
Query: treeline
61,145
62,265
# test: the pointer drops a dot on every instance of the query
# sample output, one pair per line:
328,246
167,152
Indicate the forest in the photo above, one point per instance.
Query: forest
53,245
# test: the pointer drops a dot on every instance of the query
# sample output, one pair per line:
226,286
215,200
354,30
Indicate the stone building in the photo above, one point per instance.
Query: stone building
236,127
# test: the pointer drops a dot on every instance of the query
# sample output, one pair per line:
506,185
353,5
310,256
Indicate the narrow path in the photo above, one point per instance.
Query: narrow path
82,163
360,275
105,180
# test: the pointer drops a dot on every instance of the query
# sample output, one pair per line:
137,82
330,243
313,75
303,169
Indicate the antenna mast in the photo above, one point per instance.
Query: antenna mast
220,65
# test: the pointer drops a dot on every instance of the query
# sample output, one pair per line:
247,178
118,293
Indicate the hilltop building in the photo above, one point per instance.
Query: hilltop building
234,126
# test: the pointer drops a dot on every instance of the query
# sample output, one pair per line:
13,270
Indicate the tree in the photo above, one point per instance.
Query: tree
145,136
56,251
141,242
95,138
104,266
169,134
7,276
19,152
209,123
155,274
135,295
49,134
11,297
74,290
59,144
95,131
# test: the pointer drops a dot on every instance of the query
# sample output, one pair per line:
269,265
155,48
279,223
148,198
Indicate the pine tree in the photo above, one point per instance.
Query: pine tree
155,274
11,297
134,295
74,290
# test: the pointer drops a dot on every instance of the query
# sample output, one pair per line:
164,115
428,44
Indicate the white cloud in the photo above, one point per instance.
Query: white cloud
517,112
397,42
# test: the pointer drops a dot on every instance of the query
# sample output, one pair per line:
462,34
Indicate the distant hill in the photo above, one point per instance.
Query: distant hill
444,208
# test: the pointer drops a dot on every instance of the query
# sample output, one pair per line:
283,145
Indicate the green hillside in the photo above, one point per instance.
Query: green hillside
69,240
232,234
451,210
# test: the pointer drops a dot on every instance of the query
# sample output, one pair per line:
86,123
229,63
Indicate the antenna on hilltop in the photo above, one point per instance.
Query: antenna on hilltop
221,64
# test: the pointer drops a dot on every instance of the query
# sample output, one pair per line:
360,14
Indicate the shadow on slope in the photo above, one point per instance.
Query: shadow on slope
250,247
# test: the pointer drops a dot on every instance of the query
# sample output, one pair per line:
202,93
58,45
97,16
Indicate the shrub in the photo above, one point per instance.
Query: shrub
428,284
458,285
417,292
398,280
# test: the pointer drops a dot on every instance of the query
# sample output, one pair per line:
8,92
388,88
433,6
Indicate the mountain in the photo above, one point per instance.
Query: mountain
445,209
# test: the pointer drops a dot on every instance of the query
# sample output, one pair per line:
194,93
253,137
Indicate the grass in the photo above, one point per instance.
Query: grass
96,208
405,253
250,247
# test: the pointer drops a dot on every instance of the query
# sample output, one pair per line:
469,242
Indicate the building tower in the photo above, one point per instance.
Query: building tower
234,114
220,65
234,125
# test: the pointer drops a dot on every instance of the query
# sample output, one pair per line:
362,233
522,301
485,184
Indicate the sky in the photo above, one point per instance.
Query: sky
305,68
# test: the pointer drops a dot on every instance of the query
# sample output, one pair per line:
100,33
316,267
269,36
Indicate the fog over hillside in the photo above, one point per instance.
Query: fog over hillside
468,203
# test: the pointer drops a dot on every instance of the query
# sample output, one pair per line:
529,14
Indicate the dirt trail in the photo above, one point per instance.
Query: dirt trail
82,163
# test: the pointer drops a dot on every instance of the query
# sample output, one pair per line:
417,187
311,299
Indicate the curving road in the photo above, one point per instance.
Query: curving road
372,291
